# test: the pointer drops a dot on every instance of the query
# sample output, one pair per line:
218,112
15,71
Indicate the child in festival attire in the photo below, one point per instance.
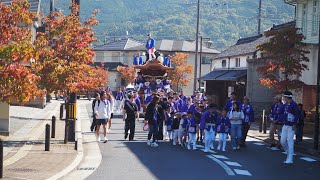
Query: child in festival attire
182,129
223,126
168,123
175,128
192,130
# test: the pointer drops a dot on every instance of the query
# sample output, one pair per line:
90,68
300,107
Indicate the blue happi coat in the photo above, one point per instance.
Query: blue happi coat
208,120
150,43
248,113
223,125
291,113
192,126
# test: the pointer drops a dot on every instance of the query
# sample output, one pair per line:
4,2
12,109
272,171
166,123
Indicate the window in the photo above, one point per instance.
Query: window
315,18
224,63
304,18
206,60
237,62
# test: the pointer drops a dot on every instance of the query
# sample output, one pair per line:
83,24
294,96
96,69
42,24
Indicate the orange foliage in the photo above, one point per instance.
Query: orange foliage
181,75
65,52
17,82
127,73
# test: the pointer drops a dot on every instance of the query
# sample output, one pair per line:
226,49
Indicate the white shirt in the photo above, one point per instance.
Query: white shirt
237,114
102,109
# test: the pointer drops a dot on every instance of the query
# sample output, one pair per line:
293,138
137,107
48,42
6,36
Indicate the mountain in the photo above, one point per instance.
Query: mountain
224,21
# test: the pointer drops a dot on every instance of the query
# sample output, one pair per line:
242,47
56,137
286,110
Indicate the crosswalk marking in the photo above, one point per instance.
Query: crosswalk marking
220,157
224,166
242,172
308,159
232,163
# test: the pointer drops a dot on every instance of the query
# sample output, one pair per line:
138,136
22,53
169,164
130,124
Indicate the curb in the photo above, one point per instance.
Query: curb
78,159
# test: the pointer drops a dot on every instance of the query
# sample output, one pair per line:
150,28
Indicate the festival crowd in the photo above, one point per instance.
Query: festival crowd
190,120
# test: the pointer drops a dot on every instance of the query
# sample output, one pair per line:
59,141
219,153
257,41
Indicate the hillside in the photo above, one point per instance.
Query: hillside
224,21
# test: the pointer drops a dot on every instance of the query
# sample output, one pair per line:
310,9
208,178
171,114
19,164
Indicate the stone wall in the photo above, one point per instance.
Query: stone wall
38,102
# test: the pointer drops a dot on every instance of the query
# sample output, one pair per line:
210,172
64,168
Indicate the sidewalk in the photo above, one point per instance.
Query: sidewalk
305,147
24,155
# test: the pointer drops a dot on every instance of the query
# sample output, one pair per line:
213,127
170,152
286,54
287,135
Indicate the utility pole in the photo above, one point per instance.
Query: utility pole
259,17
316,121
201,39
51,5
197,48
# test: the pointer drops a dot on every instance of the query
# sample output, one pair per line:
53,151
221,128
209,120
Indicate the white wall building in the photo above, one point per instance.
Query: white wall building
307,19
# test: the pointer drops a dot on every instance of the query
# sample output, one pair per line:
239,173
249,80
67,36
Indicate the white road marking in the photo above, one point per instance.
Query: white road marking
210,151
308,159
259,144
286,153
199,146
242,172
224,166
220,157
274,148
232,163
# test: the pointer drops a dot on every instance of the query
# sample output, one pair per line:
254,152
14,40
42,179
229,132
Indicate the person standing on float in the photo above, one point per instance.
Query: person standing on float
150,45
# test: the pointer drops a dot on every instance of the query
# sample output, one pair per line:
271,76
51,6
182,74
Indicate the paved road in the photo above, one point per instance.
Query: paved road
135,160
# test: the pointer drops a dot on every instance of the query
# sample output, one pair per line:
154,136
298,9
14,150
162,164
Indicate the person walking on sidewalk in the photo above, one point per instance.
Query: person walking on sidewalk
291,117
300,125
112,102
248,119
119,98
276,121
152,117
130,113
94,123
102,113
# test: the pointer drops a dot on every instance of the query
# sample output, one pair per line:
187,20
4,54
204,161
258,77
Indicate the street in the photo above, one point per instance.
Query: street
135,160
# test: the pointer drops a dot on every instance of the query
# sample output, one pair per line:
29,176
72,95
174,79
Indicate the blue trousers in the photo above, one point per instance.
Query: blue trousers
235,132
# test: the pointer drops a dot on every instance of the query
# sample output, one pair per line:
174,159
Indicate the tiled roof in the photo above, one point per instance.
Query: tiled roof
120,45
176,46
111,66
249,45
34,4
242,48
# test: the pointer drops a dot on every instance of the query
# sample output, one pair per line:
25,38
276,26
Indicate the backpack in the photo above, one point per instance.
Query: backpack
94,104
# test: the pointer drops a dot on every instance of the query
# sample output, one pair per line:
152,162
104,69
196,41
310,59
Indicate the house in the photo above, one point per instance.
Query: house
307,19
123,51
231,72
235,70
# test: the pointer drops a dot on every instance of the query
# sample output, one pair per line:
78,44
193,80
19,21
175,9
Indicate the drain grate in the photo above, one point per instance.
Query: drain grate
86,169
24,170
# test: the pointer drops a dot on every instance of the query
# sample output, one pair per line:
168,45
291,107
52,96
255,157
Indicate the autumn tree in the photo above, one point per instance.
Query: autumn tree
17,80
66,54
127,73
284,59
181,75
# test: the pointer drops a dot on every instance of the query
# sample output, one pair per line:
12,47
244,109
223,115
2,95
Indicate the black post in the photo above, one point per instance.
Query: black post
66,124
47,138
61,110
259,17
53,128
264,122
51,5
1,158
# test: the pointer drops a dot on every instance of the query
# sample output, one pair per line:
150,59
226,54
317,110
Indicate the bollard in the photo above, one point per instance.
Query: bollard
260,124
1,158
53,127
264,120
61,111
66,127
76,145
47,138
